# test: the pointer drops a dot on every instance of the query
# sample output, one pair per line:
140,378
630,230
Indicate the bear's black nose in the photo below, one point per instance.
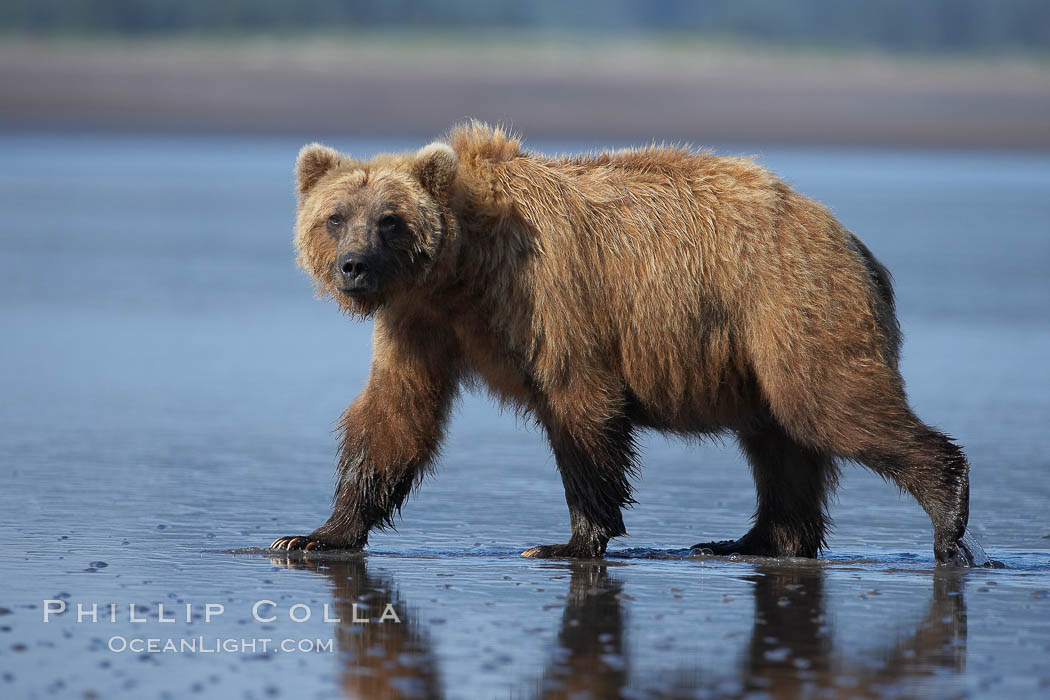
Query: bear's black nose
354,274
352,265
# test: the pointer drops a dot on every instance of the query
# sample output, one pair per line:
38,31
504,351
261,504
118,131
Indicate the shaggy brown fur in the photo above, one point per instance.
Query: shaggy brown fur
651,288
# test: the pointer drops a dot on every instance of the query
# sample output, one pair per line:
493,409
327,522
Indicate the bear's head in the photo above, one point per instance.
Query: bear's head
368,231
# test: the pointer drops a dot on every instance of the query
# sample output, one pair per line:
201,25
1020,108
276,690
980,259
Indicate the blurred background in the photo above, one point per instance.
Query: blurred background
170,385
891,72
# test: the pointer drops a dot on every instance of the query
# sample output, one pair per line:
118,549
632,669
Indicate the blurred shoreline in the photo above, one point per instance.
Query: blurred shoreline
554,87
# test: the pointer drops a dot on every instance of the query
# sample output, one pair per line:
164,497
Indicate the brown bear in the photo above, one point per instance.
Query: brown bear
602,294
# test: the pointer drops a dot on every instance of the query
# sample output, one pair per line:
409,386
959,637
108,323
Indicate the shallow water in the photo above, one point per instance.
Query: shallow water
171,385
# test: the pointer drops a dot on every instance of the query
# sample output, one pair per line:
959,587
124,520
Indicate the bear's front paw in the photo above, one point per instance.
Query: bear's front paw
565,551
723,548
305,543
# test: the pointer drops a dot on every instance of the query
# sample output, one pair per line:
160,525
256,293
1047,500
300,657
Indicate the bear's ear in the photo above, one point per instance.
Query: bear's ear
436,167
314,161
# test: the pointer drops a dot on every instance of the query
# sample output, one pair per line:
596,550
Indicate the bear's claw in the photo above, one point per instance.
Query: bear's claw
748,545
721,548
293,543
757,544
561,551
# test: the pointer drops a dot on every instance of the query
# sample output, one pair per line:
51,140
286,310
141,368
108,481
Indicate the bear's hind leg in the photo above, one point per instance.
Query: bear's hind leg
864,416
932,468
793,483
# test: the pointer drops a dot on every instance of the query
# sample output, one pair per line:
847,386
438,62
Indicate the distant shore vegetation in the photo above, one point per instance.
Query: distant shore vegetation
918,26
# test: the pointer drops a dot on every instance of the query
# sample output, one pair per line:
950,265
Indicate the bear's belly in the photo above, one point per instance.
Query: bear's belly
695,397
696,412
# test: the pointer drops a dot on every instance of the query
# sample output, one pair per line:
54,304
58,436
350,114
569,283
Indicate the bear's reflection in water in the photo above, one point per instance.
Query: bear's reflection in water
386,660
791,651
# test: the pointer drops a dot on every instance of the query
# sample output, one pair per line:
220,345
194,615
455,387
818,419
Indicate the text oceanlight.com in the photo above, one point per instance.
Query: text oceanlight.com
218,645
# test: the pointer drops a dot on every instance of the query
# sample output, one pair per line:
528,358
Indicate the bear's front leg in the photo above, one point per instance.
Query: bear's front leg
595,462
390,435
368,495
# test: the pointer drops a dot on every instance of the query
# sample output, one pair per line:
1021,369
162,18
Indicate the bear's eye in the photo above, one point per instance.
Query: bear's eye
335,221
389,222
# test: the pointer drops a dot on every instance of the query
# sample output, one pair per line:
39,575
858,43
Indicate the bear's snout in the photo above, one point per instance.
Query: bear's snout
354,274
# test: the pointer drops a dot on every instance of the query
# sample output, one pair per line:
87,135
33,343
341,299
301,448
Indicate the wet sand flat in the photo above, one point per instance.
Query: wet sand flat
170,386
555,87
